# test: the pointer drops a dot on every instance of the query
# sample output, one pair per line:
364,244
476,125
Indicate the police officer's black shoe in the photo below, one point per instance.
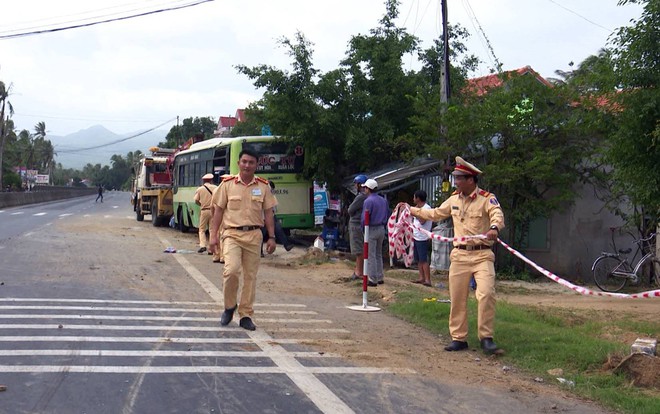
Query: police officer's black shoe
246,323
372,284
456,346
288,247
201,250
488,346
227,316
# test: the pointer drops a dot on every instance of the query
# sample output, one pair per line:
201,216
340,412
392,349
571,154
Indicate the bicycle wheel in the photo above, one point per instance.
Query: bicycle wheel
605,280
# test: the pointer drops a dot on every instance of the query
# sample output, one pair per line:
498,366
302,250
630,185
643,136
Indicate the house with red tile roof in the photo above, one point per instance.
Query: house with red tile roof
481,86
227,123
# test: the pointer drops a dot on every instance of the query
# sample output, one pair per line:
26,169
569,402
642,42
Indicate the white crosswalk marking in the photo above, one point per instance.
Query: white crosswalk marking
40,214
164,326
48,335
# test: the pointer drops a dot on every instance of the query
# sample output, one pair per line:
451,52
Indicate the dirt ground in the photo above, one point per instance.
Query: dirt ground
401,345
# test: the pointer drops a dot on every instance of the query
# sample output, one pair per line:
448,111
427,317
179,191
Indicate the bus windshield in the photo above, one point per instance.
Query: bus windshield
275,157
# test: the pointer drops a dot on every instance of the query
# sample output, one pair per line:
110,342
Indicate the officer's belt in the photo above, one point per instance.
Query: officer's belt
470,248
246,228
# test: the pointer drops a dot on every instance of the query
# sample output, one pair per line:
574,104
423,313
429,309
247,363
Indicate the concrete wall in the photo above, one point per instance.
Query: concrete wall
41,194
577,236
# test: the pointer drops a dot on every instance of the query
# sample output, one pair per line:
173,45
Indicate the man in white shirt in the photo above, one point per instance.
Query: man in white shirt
421,240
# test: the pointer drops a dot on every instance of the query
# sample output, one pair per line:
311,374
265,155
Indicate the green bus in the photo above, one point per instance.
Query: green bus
277,162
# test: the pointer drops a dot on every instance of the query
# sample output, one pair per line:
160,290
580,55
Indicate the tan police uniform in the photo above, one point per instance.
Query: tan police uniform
243,207
218,257
203,195
472,215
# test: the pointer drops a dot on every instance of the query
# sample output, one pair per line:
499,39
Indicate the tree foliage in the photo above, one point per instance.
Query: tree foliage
634,148
353,118
189,127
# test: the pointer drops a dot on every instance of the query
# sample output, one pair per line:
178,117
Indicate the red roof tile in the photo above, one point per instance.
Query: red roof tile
482,85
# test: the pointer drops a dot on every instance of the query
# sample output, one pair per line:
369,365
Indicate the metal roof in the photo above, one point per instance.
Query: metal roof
394,176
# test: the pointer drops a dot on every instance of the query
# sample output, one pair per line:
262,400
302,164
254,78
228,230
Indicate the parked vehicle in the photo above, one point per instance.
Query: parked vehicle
152,187
277,162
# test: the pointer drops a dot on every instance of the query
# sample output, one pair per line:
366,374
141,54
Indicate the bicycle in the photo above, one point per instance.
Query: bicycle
612,271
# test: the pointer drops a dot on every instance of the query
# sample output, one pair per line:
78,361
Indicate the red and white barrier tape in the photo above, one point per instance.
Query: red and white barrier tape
400,233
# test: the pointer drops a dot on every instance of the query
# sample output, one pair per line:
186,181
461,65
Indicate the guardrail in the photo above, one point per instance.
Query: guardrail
41,194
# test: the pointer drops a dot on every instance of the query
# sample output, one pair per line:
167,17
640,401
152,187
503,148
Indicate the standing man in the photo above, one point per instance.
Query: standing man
378,215
100,192
243,204
202,198
355,232
473,211
421,240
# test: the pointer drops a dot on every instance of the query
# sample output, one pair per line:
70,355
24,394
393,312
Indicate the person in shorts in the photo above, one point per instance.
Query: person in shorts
422,240
355,232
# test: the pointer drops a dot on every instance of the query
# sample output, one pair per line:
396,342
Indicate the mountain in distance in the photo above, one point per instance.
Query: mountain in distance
72,150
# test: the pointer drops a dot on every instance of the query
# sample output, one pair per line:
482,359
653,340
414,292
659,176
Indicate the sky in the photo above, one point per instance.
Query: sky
141,73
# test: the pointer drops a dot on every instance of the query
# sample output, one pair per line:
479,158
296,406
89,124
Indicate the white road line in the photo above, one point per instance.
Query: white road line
326,401
40,214
145,302
28,234
105,327
158,339
92,369
65,215
177,354
213,319
111,308
108,308
17,213
136,339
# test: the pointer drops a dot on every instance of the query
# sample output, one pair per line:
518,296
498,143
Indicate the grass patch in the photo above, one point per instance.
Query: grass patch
539,339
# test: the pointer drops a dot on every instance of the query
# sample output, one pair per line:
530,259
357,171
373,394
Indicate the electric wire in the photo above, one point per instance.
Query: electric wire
77,26
580,16
496,63
52,20
107,144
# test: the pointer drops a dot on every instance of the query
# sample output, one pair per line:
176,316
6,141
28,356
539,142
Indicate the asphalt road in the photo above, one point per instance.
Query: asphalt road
95,318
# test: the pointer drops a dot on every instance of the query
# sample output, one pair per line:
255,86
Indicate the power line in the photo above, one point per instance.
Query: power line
40,23
580,16
76,26
67,118
473,16
117,141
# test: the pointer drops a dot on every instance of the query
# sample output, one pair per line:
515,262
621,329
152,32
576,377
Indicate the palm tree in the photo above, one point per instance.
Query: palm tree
5,106
44,150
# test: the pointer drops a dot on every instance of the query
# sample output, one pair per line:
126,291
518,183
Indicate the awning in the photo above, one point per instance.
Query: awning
399,175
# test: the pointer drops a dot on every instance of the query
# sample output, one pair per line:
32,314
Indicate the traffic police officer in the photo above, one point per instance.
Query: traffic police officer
473,211
202,198
243,204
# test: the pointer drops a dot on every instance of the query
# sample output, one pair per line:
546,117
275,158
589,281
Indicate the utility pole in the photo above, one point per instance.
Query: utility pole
444,81
444,89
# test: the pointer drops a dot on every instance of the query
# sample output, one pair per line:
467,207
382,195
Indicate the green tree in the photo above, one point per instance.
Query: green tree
6,125
531,141
190,127
350,118
634,148
253,124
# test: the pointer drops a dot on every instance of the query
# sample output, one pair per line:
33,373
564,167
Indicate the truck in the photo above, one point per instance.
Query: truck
152,186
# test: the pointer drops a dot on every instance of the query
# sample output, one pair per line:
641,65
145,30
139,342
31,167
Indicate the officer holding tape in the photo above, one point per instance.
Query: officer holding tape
473,211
